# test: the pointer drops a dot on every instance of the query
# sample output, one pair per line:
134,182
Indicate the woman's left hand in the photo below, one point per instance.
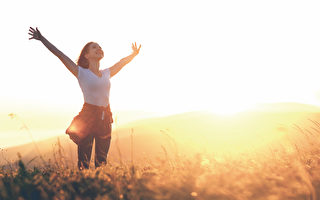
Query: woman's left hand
135,49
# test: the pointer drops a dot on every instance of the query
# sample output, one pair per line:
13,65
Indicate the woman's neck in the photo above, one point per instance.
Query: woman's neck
94,66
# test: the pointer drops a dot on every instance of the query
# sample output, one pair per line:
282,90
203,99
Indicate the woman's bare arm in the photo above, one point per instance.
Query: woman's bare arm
119,65
71,66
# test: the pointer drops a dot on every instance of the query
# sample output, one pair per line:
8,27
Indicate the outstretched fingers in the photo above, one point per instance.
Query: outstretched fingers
31,32
35,33
135,48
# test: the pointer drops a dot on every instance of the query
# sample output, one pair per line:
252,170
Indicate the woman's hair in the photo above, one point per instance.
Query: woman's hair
83,61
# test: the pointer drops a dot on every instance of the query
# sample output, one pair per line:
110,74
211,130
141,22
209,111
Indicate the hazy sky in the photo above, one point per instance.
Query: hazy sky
221,56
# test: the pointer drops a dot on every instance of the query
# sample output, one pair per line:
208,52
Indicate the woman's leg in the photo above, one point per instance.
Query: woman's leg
102,145
84,152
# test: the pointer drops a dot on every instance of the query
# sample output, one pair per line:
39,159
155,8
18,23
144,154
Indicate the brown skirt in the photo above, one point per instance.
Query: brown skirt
91,119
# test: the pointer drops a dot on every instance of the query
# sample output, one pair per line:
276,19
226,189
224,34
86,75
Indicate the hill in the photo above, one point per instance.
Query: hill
189,133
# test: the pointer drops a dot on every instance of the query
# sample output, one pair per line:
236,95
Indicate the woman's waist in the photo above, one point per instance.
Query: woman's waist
90,111
99,101
91,107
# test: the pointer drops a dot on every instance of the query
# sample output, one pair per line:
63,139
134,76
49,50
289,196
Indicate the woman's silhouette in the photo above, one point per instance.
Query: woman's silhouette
94,120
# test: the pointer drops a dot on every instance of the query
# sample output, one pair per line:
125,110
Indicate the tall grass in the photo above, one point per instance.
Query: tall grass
287,170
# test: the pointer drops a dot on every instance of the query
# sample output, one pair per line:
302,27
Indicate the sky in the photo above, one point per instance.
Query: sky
219,56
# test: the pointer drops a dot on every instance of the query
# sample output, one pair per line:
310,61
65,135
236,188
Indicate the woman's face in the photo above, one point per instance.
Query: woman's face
94,52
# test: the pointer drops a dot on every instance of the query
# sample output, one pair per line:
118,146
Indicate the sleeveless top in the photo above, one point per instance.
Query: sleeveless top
95,89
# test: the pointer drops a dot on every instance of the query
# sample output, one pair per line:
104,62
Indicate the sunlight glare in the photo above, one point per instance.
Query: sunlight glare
228,109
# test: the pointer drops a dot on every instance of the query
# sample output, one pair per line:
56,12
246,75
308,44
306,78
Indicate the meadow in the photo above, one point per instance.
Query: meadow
287,168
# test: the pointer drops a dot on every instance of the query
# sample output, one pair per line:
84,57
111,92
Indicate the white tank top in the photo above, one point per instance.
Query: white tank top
95,89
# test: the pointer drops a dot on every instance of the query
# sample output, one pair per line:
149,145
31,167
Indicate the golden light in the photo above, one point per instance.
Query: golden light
229,108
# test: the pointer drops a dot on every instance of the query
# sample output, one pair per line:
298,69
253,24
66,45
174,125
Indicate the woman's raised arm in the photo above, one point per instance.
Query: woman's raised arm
119,65
71,66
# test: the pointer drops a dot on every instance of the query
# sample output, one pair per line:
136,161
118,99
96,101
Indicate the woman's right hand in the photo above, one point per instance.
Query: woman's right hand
35,34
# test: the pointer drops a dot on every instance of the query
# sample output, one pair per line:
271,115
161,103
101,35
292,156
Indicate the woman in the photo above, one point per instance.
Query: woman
94,120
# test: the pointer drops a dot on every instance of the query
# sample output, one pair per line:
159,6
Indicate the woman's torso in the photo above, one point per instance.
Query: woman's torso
95,89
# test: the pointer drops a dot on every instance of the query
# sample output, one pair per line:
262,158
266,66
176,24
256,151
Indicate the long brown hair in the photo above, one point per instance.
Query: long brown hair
83,61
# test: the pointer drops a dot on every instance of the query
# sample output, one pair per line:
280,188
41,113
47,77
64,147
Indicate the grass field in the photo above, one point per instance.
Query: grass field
278,175
285,169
